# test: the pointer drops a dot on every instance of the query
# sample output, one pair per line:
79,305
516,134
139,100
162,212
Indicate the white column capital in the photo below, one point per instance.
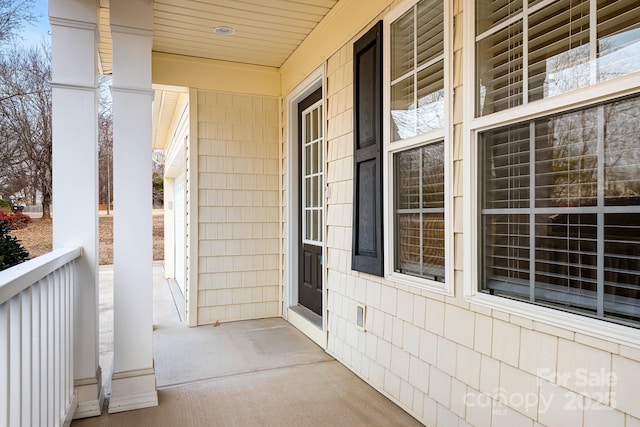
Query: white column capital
80,11
133,14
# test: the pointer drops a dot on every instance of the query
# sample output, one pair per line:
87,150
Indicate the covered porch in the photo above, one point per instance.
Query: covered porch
247,373
228,240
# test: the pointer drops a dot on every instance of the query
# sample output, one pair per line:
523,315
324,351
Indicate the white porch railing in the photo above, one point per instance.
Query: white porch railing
36,341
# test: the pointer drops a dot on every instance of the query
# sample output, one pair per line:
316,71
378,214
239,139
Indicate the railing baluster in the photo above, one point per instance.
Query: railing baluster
44,352
69,332
56,345
4,364
64,397
50,353
27,380
36,349
15,361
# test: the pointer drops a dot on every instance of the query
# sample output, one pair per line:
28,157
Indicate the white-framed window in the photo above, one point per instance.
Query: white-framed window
538,49
416,145
557,158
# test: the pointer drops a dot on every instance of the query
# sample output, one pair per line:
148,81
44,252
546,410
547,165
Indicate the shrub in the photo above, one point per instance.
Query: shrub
6,206
11,251
15,221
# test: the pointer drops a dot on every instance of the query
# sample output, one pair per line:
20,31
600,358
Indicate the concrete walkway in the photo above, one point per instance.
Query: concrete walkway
251,373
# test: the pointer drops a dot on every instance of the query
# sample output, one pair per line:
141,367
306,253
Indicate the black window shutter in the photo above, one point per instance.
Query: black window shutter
367,146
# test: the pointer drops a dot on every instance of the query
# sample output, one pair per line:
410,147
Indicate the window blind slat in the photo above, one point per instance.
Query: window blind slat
430,31
490,13
617,17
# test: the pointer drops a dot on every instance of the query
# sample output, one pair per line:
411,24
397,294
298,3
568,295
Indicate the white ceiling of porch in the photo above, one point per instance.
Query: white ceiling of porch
268,31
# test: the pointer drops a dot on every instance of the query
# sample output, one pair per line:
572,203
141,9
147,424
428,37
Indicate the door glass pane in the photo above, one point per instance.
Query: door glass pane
307,231
307,160
314,158
314,225
314,192
314,124
307,128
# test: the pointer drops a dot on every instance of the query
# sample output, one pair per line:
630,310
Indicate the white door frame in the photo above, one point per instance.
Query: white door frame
314,81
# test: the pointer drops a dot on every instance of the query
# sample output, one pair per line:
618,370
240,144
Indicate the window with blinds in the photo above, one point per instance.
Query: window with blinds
539,49
417,71
419,212
416,141
560,211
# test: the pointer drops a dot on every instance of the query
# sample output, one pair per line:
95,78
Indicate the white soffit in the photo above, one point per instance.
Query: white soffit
165,104
267,31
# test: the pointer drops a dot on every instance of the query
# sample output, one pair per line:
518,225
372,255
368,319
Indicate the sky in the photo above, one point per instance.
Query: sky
33,34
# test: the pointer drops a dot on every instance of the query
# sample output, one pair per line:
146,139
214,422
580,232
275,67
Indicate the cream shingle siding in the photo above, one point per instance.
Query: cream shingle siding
238,210
445,360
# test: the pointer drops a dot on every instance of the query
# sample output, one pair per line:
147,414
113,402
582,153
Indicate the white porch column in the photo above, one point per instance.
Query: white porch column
133,383
75,179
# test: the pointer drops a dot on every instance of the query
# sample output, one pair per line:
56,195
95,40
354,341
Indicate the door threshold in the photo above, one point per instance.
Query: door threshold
309,323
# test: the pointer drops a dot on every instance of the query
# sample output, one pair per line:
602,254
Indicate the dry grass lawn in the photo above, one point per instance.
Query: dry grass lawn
37,237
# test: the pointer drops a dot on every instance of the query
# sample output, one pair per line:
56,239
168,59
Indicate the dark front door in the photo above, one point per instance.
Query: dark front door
311,210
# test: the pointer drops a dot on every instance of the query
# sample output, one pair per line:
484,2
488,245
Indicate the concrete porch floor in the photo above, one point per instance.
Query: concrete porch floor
250,373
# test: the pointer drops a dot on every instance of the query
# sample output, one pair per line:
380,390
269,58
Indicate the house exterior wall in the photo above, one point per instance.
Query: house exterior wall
175,166
238,207
446,360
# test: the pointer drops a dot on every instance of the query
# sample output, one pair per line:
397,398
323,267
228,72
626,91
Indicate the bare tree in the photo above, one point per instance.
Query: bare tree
13,15
105,144
25,114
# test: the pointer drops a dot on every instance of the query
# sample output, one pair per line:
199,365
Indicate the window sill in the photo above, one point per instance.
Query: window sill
612,332
423,284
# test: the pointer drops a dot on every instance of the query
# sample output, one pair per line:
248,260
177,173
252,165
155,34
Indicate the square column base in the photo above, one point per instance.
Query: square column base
89,396
133,390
